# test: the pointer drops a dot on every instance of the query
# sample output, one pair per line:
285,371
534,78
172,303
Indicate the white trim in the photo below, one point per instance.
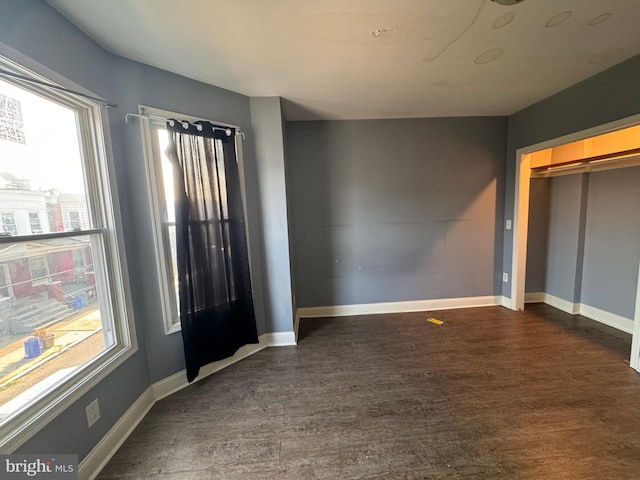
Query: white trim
534,297
94,462
397,307
520,230
562,304
611,319
280,339
616,321
178,381
506,302
157,209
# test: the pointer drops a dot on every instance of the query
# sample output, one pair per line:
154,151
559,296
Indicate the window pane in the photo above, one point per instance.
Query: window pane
4,283
51,322
168,205
167,175
74,221
39,269
173,266
34,221
9,223
41,174
11,119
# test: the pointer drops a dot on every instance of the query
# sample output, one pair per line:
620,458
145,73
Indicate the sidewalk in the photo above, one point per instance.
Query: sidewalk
13,363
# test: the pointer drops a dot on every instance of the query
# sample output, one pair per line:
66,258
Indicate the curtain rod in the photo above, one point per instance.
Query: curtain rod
227,130
102,101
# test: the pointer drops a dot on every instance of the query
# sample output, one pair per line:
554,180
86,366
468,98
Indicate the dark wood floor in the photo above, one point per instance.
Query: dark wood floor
490,394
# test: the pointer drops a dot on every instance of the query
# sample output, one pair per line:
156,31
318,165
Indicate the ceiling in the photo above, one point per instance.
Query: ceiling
353,59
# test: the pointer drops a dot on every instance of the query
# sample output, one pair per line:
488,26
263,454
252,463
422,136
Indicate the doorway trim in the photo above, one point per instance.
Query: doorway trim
521,220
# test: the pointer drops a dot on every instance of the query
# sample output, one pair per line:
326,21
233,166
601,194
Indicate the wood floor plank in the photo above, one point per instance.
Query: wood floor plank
489,394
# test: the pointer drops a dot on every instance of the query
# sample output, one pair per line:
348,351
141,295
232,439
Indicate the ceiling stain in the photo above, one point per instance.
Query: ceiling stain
503,20
489,56
399,27
605,56
599,19
558,19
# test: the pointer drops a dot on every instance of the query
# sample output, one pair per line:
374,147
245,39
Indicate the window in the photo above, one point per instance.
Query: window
74,220
65,283
39,269
11,120
5,288
9,223
34,222
160,184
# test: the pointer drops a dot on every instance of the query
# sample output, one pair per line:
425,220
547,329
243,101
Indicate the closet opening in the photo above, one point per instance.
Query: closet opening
576,243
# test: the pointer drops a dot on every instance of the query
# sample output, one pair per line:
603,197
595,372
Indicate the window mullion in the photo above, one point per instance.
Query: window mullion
49,235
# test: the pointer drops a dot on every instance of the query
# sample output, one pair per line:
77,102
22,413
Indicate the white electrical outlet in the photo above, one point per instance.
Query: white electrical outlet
505,277
507,224
93,412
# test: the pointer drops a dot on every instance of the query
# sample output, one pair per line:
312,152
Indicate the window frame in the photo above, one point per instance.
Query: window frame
107,243
14,231
152,119
77,220
39,279
36,216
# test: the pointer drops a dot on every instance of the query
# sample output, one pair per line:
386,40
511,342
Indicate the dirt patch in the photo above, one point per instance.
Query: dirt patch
73,357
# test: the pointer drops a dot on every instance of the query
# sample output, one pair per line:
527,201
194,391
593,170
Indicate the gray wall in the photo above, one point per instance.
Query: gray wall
538,233
396,210
612,241
267,125
608,96
31,28
565,237
590,228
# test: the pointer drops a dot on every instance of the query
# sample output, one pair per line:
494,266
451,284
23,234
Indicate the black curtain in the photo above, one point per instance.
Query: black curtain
216,305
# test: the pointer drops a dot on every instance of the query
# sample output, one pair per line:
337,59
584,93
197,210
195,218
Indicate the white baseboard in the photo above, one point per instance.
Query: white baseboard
397,307
616,321
534,297
280,339
506,302
95,461
611,319
556,302
171,384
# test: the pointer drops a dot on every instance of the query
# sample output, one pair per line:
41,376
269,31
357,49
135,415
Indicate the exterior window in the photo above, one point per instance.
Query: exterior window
74,220
5,289
34,221
11,120
160,182
39,269
78,259
64,315
9,223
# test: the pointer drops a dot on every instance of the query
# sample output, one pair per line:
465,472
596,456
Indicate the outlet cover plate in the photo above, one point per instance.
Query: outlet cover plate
93,412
